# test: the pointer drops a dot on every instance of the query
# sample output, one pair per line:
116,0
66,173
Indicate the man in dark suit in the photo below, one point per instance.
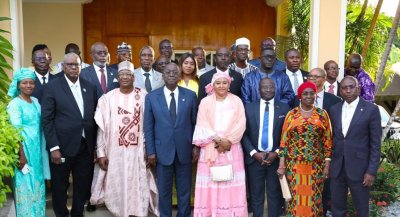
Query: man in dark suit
99,74
261,140
331,84
296,75
222,61
169,120
357,133
41,63
68,106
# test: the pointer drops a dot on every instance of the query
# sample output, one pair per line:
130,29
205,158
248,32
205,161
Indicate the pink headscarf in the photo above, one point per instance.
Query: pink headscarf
220,74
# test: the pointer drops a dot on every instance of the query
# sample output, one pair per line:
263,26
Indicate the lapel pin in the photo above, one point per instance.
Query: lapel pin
84,89
112,74
361,109
183,100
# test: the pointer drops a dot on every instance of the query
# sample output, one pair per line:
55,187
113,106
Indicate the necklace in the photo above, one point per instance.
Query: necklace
305,110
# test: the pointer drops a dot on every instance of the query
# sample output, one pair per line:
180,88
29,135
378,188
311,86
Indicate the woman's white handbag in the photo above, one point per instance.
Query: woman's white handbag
221,173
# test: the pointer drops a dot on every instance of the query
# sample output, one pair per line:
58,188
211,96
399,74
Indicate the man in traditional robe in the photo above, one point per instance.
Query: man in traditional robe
123,182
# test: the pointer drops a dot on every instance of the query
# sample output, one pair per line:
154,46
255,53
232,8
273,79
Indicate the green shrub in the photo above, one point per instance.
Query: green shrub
9,146
391,151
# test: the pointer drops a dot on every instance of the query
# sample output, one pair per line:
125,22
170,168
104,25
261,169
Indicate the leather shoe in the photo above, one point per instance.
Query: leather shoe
90,207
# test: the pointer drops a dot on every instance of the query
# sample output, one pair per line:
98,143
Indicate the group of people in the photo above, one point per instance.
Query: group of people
129,135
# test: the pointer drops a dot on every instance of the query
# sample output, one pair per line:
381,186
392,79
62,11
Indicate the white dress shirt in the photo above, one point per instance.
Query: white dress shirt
335,87
150,76
319,99
347,114
270,126
298,75
98,73
167,94
40,77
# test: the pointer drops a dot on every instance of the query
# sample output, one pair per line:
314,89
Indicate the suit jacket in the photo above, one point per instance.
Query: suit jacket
38,90
156,79
253,124
205,79
360,149
167,139
89,74
62,120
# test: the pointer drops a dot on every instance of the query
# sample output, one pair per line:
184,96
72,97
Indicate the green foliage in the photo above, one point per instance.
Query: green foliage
5,51
385,190
357,30
9,136
298,26
391,151
9,146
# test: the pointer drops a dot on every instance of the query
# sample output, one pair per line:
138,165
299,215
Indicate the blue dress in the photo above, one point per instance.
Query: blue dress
29,189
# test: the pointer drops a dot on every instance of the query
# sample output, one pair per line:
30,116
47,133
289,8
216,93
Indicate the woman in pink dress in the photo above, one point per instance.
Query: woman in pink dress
220,126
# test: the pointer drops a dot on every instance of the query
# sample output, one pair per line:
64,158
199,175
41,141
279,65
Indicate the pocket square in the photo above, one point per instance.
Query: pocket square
281,116
115,80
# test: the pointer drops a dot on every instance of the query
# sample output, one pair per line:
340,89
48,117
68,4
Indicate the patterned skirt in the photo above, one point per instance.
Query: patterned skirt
306,183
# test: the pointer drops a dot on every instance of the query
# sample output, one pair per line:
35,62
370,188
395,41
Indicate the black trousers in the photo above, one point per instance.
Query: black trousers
81,166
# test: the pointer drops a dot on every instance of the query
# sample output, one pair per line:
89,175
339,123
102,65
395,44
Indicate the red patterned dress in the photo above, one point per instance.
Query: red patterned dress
305,144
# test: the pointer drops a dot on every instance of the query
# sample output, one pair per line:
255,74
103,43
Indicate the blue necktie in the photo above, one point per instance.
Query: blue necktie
264,137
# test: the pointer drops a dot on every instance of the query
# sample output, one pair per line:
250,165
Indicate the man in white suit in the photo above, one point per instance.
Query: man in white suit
146,77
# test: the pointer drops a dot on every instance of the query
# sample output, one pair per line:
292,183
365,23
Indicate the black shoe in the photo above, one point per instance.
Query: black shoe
90,207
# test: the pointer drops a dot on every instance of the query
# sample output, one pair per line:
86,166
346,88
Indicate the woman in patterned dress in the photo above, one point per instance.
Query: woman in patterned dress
305,153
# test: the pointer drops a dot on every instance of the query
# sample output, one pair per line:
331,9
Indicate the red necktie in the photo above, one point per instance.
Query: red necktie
103,81
331,89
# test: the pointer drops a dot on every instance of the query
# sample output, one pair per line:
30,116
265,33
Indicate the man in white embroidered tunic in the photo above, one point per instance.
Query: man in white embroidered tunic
123,182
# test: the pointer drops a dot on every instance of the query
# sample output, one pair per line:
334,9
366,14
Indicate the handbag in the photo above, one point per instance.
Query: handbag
222,173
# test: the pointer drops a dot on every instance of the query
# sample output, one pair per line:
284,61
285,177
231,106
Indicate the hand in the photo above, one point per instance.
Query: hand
152,160
195,154
226,144
94,157
325,173
220,149
259,156
368,180
271,157
55,157
103,163
22,161
281,171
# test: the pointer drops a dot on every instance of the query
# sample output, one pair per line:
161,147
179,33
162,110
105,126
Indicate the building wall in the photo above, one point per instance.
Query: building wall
207,23
54,24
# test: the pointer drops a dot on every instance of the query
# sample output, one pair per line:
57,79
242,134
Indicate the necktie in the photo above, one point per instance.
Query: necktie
295,83
147,83
264,137
316,101
331,89
172,108
103,83
78,97
44,80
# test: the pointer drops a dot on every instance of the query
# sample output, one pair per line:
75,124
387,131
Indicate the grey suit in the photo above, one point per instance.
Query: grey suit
155,79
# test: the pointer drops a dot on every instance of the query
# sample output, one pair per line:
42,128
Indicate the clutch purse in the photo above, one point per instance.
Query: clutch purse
285,189
221,173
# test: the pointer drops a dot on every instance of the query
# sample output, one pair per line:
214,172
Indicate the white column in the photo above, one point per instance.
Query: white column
17,33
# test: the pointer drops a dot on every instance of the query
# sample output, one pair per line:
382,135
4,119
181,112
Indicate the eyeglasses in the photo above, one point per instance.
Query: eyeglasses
166,47
222,55
162,63
72,65
332,69
124,74
315,76
268,57
40,59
